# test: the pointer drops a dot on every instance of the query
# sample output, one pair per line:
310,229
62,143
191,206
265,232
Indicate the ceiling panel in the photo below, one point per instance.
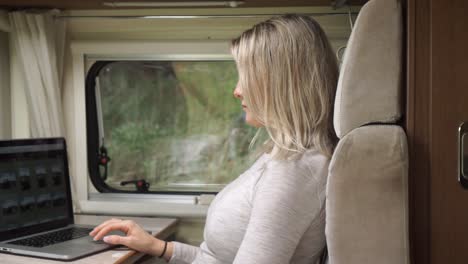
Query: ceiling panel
97,4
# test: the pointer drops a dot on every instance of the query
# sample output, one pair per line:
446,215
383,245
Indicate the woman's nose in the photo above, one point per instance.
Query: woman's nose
237,93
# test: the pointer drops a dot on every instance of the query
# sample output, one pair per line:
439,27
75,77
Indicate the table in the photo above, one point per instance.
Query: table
160,227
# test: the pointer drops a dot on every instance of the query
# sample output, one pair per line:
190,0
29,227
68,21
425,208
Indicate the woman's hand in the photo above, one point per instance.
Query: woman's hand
136,238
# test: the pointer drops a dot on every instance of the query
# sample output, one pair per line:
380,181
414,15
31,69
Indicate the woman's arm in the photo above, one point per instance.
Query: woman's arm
136,238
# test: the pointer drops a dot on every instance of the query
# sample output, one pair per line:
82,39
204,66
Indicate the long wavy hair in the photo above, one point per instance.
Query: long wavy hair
288,75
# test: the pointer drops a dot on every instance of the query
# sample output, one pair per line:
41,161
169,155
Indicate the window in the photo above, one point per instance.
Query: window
172,123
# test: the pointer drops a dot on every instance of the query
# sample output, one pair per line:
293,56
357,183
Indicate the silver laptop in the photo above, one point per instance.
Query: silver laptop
36,215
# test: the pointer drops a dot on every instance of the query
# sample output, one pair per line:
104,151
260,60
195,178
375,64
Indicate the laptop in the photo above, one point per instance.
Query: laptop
36,214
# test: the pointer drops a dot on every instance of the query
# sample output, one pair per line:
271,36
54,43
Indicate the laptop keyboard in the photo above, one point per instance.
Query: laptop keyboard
53,237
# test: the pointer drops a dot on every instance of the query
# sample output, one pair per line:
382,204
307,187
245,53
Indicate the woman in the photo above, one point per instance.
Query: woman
273,212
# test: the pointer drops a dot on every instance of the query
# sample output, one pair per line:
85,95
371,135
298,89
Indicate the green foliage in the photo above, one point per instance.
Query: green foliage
173,122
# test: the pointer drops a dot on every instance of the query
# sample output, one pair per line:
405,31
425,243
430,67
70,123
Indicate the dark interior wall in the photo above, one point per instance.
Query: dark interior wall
436,105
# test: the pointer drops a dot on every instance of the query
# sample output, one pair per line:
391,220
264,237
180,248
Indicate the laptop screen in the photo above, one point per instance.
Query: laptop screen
34,186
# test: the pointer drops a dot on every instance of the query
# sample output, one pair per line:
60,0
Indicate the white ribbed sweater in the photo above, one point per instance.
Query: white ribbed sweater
272,213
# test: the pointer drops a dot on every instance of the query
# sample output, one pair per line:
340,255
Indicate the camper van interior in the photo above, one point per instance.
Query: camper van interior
131,116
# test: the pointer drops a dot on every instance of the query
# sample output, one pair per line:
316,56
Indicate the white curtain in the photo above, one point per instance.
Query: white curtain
39,40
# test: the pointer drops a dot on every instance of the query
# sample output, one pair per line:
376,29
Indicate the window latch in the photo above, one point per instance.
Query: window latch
103,160
141,185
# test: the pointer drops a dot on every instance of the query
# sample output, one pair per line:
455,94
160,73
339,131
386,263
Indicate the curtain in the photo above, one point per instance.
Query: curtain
39,40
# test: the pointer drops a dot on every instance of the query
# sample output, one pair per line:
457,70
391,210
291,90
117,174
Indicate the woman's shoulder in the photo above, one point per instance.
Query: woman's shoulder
310,159
302,167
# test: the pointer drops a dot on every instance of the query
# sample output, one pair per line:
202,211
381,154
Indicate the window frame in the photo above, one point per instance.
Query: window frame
93,133
89,199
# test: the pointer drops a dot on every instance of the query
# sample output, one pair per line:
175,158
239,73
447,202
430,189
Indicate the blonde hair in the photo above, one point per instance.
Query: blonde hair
288,74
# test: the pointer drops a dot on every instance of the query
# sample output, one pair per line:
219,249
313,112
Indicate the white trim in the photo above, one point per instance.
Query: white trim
210,11
144,204
134,204
172,4
150,50
145,209
161,198
79,154
160,57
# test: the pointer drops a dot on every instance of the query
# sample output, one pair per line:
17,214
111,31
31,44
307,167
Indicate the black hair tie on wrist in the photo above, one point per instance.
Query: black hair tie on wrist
164,250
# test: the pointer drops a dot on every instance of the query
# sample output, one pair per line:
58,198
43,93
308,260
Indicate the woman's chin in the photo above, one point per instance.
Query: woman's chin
252,122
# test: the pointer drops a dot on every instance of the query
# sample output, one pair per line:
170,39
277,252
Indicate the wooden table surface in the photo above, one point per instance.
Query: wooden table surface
160,227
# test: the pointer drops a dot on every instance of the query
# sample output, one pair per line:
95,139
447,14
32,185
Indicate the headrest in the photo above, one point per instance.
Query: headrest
369,84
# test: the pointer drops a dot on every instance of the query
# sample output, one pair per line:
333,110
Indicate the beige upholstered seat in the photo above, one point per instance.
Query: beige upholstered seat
367,216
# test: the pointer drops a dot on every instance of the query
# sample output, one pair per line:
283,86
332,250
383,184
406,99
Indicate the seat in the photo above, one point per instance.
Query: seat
366,206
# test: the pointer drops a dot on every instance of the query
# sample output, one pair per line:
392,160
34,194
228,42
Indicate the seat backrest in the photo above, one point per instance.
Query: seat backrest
367,215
